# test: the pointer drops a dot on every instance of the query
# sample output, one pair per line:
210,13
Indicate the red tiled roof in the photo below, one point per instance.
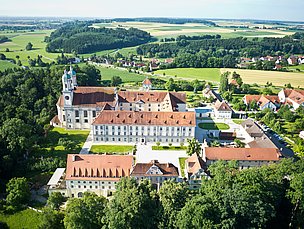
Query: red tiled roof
98,167
295,95
194,163
150,118
222,106
147,82
262,99
167,169
242,154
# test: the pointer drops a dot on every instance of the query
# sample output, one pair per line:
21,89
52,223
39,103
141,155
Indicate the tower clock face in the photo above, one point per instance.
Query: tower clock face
67,97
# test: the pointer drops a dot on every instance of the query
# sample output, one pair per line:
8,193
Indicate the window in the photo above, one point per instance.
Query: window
96,187
64,118
77,120
84,186
76,113
79,186
102,187
72,186
85,114
86,121
94,114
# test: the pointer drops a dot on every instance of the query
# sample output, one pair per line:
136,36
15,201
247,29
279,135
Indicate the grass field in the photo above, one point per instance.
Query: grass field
26,219
127,77
20,40
169,148
117,149
238,121
213,126
300,67
276,78
6,64
182,165
208,74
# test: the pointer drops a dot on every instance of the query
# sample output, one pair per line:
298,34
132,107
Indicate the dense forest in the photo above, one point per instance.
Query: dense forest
215,52
179,21
80,38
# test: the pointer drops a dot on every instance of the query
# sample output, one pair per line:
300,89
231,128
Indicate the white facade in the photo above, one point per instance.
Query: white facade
142,134
222,114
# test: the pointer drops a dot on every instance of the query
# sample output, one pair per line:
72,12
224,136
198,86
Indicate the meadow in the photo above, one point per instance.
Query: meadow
127,77
207,74
18,42
275,77
6,64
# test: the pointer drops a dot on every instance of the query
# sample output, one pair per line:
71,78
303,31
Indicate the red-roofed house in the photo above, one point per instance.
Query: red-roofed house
292,96
263,101
146,84
156,172
246,157
222,110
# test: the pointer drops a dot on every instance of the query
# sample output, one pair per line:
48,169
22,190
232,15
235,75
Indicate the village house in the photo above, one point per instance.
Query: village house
156,172
210,93
293,97
263,101
143,126
292,60
195,171
246,157
146,85
222,110
93,173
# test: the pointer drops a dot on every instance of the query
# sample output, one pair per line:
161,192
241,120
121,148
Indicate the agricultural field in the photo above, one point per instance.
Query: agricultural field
124,74
18,42
275,77
207,74
161,30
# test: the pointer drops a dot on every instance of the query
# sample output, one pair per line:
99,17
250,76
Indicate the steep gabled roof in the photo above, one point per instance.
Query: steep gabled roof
222,106
165,169
97,167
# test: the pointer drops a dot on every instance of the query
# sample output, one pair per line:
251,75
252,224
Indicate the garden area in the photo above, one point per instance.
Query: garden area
112,149
169,147
182,161
213,126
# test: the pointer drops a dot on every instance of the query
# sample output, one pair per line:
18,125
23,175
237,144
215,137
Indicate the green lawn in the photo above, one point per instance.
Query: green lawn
26,219
115,149
126,76
301,67
182,165
208,74
6,64
169,148
213,126
51,147
238,121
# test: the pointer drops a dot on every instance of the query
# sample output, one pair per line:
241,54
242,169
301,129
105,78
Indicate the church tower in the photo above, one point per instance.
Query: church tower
72,73
68,87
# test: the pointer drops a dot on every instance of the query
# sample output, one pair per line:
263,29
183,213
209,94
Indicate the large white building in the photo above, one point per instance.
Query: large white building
78,107
143,126
93,173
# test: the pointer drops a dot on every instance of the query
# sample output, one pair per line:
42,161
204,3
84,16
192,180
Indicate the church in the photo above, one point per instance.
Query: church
153,112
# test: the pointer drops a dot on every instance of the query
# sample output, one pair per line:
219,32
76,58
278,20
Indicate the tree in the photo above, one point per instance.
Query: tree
67,144
116,81
133,206
18,192
86,212
239,143
296,195
29,46
224,86
55,200
51,219
2,56
193,147
173,198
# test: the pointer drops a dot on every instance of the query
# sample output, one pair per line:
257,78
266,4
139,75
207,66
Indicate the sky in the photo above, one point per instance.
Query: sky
228,9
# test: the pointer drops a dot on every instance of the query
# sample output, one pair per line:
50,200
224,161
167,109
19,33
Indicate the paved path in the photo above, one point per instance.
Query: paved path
145,154
88,144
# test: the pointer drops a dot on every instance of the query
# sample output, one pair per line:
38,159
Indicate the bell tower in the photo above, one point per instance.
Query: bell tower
67,91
